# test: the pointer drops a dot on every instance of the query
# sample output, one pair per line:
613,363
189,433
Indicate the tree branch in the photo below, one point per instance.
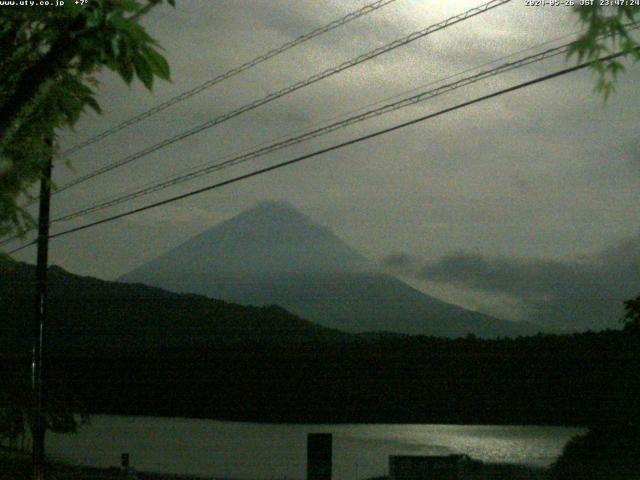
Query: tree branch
59,55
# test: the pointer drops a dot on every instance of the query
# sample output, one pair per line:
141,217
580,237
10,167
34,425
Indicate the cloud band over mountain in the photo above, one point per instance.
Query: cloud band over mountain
565,295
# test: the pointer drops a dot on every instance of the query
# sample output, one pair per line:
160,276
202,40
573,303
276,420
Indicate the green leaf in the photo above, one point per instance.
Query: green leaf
96,19
129,6
115,46
119,23
143,70
140,35
615,67
125,69
91,101
158,63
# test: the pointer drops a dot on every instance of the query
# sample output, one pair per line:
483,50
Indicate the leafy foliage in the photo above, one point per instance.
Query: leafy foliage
137,350
608,31
609,452
49,57
632,313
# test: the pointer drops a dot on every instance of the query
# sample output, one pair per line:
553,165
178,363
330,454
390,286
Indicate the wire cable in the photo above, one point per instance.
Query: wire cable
403,103
337,117
276,144
301,158
232,160
372,7
287,90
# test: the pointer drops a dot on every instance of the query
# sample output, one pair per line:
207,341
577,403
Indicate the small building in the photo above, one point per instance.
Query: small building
430,467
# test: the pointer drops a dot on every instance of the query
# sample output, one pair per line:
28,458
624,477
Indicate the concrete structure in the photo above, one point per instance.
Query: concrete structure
413,467
319,462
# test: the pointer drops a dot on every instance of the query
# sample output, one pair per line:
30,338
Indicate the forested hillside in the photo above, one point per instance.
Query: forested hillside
186,355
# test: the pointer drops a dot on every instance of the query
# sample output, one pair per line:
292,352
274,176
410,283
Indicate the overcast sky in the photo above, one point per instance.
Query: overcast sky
543,178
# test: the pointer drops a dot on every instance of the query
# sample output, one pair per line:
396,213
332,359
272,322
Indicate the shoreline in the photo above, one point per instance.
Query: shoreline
16,465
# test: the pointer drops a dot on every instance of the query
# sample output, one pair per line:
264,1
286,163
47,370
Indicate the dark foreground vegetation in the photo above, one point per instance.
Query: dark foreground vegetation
585,379
132,349
605,452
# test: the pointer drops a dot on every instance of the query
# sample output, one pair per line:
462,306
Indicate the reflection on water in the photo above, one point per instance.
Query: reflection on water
232,449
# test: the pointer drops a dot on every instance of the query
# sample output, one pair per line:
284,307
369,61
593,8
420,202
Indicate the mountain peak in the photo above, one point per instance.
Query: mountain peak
271,238
275,254
276,214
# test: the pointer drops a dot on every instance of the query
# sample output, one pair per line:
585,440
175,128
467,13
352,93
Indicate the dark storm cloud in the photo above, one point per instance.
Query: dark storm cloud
578,294
533,278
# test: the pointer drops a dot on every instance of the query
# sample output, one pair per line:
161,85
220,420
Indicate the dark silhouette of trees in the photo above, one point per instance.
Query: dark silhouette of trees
601,454
132,349
632,314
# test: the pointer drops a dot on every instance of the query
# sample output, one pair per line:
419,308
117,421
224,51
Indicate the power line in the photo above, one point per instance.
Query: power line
630,26
277,144
230,73
231,160
261,171
287,90
190,174
403,103
343,115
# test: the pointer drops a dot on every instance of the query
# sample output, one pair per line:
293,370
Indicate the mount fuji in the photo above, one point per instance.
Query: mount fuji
273,254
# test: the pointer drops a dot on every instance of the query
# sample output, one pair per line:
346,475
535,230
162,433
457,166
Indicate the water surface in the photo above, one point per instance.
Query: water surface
212,448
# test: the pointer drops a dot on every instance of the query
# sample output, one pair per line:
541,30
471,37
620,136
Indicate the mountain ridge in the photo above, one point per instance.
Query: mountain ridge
93,315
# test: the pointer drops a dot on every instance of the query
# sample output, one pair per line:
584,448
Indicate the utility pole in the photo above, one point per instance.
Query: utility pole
38,427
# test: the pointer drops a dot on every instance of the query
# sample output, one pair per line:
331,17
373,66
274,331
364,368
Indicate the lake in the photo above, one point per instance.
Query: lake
268,451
